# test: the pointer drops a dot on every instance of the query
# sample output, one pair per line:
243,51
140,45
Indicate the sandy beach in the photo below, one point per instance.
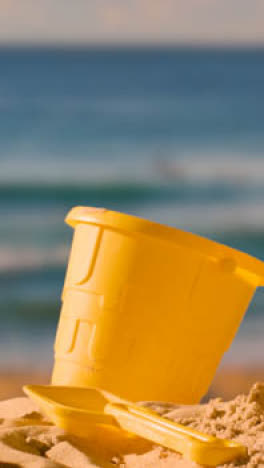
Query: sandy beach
29,440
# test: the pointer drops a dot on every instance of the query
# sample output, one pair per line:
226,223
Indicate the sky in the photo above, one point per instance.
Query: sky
132,21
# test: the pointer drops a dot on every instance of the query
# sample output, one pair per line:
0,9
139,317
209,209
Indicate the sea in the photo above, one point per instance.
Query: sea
175,135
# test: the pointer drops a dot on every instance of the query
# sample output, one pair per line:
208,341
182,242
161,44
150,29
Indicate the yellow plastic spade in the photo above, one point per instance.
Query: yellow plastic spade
82,410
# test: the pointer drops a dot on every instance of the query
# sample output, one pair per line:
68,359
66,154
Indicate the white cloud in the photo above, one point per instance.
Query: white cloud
132,20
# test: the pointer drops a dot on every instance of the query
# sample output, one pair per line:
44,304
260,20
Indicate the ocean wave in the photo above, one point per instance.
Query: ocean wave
238,224
22,259
197,215
124,190
208,217
246,349
132,165
118,194
217,168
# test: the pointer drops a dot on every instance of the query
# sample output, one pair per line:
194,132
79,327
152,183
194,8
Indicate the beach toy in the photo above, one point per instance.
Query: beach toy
81,411
148,310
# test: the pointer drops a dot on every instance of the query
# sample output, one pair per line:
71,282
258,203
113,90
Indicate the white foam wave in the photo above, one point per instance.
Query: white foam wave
146,164
246,349
16,259
225,168
205,217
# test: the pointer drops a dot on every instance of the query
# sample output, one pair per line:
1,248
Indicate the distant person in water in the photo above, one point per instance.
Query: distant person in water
169,169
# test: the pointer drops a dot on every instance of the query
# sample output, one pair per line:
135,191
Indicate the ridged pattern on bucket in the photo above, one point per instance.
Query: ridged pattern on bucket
144,318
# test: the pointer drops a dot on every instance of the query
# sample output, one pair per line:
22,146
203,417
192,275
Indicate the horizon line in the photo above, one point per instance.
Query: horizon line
132,45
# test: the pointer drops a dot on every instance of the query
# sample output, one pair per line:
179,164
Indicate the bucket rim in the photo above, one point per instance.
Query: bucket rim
117,221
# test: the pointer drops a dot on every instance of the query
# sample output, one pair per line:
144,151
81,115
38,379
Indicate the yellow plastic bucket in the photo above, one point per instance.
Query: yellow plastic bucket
148,310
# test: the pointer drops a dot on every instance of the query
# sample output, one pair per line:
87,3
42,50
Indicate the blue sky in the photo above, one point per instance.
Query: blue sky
122,21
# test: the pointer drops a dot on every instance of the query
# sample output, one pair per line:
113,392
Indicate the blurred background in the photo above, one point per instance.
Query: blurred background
144,107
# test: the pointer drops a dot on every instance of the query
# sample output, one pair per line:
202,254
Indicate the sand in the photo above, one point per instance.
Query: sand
28,439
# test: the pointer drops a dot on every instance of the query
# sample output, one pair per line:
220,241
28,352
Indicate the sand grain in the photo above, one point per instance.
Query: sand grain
28,440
